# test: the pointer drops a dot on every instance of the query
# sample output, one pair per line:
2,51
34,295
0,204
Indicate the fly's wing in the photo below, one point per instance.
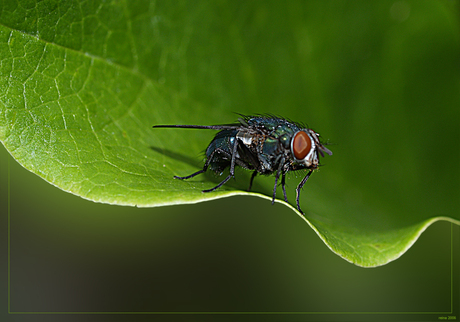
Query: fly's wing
247,158
243,122
209,127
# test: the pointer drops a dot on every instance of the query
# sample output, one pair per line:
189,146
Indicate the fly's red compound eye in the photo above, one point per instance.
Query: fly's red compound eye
301,145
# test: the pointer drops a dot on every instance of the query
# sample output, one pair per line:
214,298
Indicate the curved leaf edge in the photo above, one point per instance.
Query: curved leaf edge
358,260
420,228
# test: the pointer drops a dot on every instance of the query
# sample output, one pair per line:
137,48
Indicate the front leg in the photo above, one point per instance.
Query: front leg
300,187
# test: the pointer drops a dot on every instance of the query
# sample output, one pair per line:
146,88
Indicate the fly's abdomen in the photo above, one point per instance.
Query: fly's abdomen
220,150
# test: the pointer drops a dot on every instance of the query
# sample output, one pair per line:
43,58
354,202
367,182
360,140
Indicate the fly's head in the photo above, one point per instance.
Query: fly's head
305,146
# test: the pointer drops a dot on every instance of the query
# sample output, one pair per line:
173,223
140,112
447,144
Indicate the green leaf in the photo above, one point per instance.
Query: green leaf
81,85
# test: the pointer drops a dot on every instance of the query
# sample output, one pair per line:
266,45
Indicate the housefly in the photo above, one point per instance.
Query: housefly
265,144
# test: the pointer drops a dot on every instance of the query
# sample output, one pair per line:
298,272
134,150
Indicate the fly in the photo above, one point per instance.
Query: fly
265,144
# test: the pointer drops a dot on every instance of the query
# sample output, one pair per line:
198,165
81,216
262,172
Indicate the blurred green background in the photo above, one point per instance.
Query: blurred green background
379,79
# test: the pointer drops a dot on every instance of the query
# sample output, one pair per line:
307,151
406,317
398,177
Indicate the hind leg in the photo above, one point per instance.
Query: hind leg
232,168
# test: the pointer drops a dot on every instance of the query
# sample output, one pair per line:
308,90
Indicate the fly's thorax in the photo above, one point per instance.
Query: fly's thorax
253,140
264,146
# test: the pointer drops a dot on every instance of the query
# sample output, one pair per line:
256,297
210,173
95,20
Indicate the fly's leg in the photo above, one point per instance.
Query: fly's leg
252,179
276,179
205,167
274,188
283,184
300,187
192,175
232,168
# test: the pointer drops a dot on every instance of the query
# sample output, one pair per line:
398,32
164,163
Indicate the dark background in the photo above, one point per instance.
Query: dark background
72,255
